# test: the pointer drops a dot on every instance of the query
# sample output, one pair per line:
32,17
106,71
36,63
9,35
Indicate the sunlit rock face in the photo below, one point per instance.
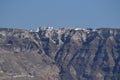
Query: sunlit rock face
60,54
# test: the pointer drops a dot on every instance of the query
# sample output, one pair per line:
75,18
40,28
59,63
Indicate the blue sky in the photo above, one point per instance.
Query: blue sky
29,14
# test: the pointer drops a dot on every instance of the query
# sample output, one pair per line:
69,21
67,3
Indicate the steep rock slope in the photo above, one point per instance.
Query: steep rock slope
60,54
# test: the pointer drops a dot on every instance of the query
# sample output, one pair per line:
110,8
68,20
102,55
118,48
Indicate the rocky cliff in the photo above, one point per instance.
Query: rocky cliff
60,54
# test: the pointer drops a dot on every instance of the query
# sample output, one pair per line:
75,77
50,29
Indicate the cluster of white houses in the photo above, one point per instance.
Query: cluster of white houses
52,28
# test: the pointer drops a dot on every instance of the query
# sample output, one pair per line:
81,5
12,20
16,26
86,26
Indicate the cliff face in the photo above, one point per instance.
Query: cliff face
60,54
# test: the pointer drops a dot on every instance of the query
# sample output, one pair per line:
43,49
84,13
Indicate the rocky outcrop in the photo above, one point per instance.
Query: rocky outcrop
60,54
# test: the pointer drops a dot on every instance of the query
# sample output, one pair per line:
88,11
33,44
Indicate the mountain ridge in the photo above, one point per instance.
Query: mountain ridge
60,54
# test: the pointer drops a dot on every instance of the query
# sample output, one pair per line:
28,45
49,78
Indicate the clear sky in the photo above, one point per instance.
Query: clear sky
31,14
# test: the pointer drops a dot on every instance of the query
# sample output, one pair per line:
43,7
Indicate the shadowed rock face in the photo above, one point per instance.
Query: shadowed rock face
60,54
